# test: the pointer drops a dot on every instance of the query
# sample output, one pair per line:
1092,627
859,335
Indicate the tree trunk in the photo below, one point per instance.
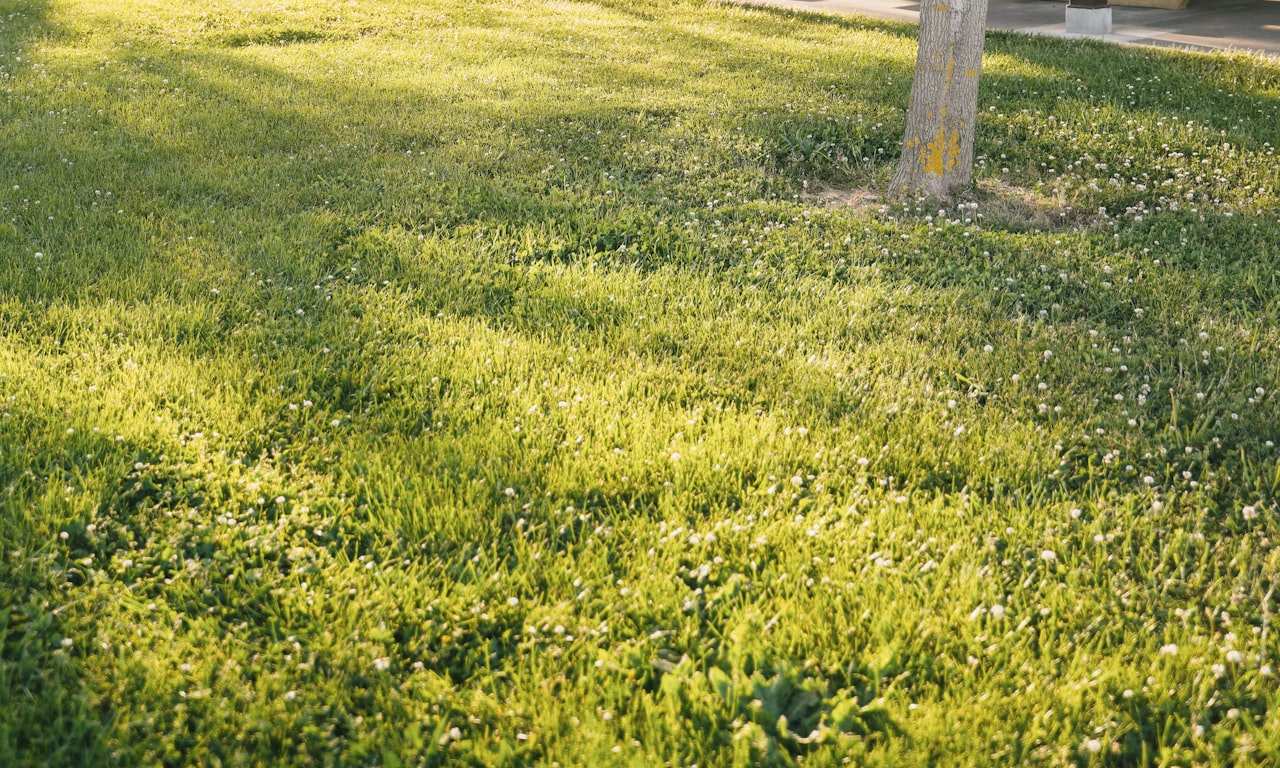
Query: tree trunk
937,150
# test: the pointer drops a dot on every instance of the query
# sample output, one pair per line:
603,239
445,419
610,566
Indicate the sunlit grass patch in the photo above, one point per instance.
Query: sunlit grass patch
423,383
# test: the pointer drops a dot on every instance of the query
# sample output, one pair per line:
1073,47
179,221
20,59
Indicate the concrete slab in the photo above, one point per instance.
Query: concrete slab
1094,22
1235,25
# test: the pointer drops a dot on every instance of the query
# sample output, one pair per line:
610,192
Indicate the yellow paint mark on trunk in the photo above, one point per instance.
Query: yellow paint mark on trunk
943,153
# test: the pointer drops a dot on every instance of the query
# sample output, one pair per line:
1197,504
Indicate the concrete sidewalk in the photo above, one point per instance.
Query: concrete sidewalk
1235,25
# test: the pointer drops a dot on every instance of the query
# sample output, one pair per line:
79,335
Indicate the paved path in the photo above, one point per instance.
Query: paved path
1241,25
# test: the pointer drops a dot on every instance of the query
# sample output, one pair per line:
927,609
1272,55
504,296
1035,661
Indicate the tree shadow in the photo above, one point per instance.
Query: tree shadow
463,170
233,171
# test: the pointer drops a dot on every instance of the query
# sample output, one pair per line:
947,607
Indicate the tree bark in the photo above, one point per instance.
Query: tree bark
937,149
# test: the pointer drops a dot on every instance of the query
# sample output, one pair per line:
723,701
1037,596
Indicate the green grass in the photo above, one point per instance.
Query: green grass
423,382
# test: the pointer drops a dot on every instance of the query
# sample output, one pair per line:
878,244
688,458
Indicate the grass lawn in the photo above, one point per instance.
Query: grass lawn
418,382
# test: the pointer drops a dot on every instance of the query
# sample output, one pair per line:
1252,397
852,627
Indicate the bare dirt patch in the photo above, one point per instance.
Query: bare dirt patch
1019,208
859,199
1000,205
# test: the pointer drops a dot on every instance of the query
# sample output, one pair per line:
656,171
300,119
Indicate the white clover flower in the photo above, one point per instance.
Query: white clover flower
1049,556
1234,657
290,695
996,611
1170,649
382,663
1093,745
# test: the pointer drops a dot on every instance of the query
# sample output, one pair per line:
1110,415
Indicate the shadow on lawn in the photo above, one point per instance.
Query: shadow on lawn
312,174
463,172
46,717
356,182
47,714
321,177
